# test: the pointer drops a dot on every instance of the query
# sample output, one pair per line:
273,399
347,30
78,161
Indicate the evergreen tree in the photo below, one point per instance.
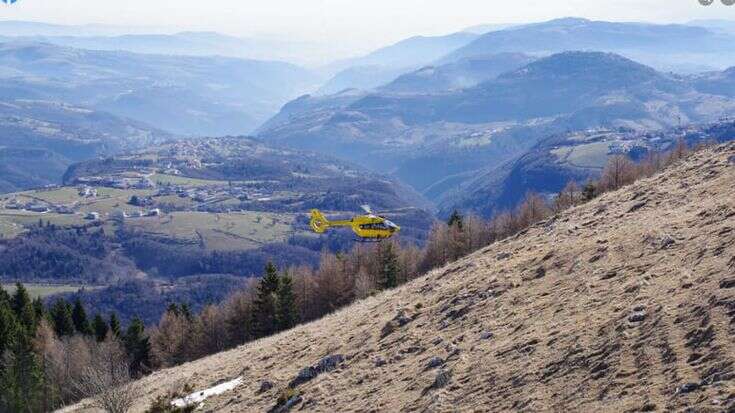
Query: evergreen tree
61,318
186,311
456,219
79,317
389,268
100,328
114,325
286,316
589,191
173,308
264,305
39,309
23,307
138,347
21,376
8,328
4,296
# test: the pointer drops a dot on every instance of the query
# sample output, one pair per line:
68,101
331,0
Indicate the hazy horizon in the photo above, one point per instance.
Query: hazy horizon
345,27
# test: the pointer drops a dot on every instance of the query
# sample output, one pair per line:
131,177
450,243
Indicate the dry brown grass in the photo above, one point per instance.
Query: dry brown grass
616,305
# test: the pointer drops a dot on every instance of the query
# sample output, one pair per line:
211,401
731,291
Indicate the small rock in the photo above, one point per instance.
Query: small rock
667,241
265,385
306,374
434,362
637,206
609,274
329,363
540,272
486,335
731,160
728,283
638,314
437,341
379,361
442,379
503,256
451,350
687,388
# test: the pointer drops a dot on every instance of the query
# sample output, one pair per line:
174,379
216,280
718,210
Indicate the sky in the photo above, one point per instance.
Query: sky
362,25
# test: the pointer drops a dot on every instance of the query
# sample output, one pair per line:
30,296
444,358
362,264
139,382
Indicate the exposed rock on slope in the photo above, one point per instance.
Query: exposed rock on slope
624,304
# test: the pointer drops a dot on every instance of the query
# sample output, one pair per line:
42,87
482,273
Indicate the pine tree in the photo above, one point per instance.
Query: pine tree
456,219
100,328
61,319
264,305
21,377
79,317
186,311
389,268
114,325
4,296
286,315
39,309
173,308
23,307
138,347
8,327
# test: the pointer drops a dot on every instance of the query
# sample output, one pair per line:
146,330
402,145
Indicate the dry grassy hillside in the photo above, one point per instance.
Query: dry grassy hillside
624,304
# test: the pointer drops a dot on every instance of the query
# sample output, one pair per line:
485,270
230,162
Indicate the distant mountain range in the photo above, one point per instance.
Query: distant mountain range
167,42
666,47
684,48
387,63
184,95
40,139
437,141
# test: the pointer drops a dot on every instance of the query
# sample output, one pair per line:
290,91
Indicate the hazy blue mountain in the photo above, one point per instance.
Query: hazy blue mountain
184,44
491,27
437,141
361,77
29,28
662,45
385,64
40,139
185,95
414,51
461,74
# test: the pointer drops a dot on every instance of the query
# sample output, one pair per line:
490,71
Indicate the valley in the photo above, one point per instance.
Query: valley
561,192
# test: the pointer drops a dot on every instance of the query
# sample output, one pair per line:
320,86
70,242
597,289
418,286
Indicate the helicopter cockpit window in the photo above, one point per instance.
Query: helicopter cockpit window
377,225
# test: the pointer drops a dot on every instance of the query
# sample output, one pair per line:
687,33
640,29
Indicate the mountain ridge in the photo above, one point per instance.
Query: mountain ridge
626,317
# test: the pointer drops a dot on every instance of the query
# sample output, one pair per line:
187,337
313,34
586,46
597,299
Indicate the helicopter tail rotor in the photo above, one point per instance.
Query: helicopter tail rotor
319,222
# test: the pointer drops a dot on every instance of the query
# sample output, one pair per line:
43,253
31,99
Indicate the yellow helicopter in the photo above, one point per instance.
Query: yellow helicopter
369,227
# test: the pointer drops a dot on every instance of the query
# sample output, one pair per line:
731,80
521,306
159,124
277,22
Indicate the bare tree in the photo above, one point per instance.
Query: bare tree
106,380
620,171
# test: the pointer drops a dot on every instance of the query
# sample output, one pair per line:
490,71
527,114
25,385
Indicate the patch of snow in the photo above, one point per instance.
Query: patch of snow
200,396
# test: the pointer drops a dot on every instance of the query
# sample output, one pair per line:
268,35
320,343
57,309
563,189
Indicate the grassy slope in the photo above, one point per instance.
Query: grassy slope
563,339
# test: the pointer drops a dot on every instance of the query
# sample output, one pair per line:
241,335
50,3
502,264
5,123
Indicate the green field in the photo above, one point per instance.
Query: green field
182,180
44,290
591,155
224,232
14,222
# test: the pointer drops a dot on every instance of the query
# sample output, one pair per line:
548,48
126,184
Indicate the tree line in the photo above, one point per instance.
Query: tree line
55,355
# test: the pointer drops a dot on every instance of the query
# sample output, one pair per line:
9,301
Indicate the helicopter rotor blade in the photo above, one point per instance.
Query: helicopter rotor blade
366,208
